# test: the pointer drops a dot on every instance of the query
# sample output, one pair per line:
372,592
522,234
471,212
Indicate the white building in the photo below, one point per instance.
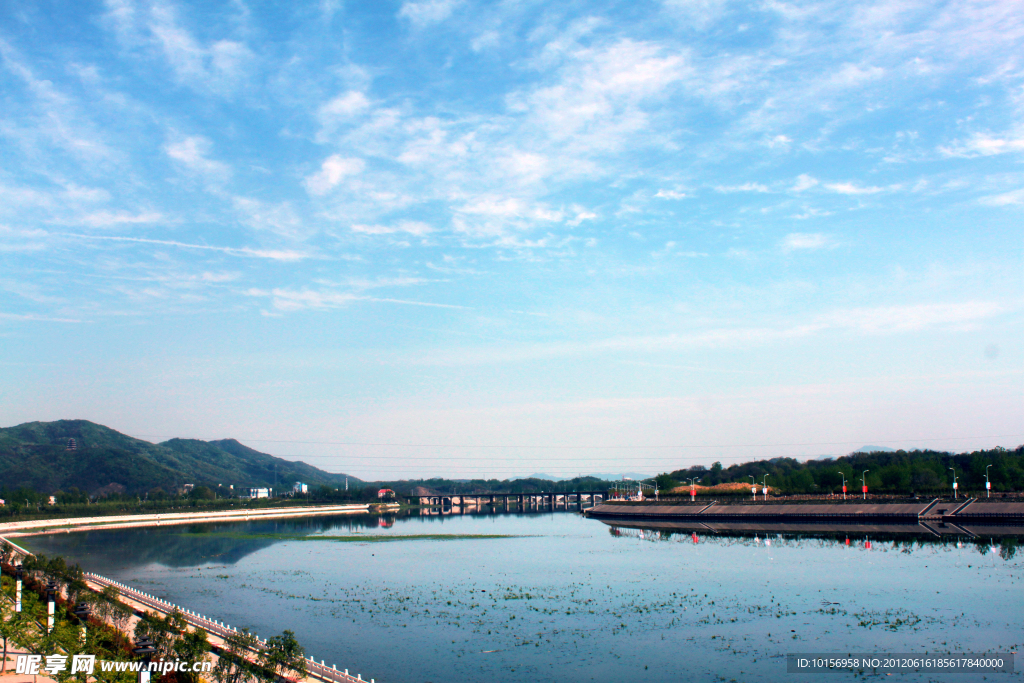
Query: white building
300,488
259,493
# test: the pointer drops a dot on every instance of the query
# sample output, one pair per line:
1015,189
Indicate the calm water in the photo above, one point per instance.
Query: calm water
560,597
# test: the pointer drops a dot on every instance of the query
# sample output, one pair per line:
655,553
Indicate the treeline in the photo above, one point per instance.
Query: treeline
529,485
898,473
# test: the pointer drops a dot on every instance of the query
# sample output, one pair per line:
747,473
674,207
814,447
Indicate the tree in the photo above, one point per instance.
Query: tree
191,646
665,482
14,626
235,664
283,655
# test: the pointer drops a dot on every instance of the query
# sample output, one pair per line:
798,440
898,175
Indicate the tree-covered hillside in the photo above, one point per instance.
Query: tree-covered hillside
897,472
36,455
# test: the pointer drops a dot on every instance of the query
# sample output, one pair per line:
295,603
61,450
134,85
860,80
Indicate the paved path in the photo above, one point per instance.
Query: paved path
39,526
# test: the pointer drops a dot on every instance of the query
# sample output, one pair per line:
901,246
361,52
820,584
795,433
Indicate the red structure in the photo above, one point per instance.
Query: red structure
385,494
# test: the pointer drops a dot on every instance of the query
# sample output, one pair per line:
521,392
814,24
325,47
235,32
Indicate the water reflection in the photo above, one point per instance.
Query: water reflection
546,595
906,538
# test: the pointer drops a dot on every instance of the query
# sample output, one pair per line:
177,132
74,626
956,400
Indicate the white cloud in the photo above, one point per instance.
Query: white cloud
804,240
745,187
1004,199
852,75
113,218
192,153
984,145
596,101
417,228
580,217
333,170
853,189
342,108
218,67
804,182
278,218
285,299
427,12
670,194
915,317
272,254
485,41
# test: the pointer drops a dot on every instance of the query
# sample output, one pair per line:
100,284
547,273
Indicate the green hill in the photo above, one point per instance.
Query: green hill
36,455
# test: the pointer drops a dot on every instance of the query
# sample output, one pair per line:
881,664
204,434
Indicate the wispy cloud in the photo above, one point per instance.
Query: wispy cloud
796,241
218,66
332,172
981,144
272,254
851,188
1004,199
418,228
287,300
804,182
889,319
424,12
745,187
193,153
101,219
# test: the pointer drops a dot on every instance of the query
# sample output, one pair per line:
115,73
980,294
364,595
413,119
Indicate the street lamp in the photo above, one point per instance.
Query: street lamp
954,483
864,484
753,486
145,649
843,475
51,597
81,611
988,484
693,491
19,575
764,487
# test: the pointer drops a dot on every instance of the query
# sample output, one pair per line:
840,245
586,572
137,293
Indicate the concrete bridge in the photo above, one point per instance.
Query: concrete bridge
508,500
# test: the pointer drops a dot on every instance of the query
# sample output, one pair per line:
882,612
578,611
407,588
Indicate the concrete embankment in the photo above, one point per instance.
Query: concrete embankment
44,526
971,510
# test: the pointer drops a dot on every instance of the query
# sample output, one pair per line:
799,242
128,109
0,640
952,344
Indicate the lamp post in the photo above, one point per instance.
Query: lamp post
764,487
51,604
145,649
693,490
19,575
843,475
864,483
753,486
954,482
81,611
988,484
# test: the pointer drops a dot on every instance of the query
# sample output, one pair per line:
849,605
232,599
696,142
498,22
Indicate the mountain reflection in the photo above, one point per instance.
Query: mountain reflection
190,545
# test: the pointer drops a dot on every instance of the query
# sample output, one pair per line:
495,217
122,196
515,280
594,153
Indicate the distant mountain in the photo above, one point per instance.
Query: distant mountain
37,455
621,475
875,449
603,477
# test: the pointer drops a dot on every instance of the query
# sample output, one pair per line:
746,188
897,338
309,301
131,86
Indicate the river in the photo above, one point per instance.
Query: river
555,596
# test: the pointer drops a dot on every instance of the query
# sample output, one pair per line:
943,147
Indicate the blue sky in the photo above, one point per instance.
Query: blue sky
458,238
